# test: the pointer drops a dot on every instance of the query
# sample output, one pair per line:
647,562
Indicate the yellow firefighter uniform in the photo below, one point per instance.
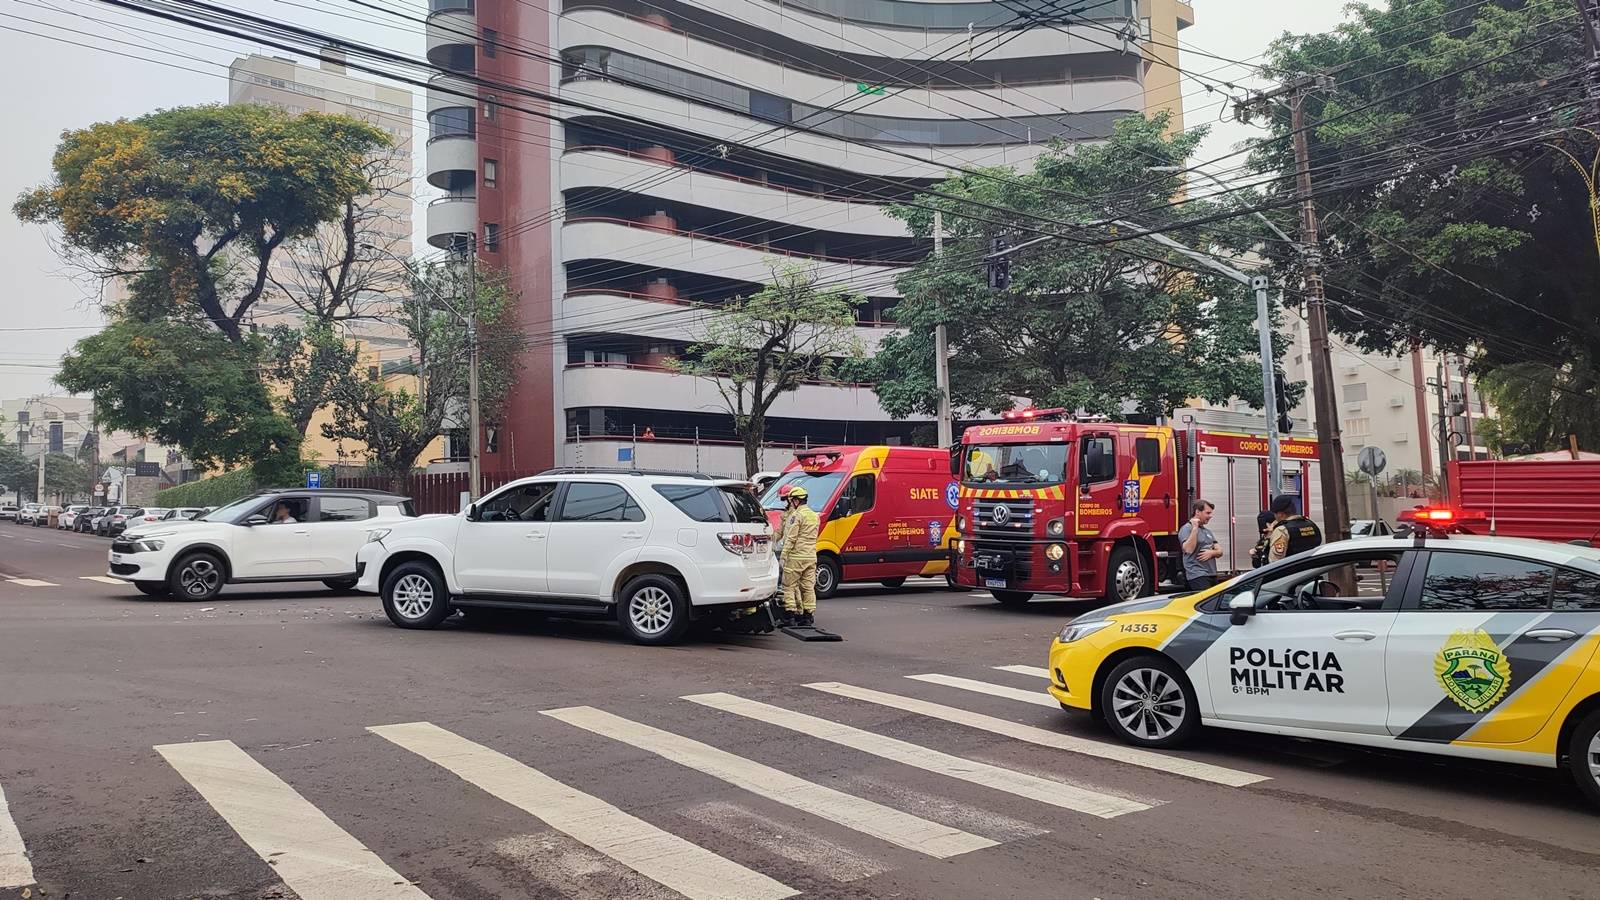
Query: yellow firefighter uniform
799,558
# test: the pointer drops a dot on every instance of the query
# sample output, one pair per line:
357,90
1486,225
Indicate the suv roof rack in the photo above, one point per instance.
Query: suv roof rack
613,470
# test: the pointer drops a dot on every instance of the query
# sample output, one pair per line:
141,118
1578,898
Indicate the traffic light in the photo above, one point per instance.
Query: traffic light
999,267
1281,390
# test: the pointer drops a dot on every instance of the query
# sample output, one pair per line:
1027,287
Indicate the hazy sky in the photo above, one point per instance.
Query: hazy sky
58,86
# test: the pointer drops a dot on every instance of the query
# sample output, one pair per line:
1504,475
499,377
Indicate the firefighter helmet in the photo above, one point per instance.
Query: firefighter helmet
796,493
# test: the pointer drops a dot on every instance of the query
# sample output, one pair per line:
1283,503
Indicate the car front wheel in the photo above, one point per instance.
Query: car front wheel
415,596
1147,701
828,577
1583,755
197,576
653,609
1012,598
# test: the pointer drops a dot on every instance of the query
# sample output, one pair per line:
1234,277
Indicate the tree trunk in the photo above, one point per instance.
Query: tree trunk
755,428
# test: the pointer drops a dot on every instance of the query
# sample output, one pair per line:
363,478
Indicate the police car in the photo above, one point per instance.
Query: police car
1432,640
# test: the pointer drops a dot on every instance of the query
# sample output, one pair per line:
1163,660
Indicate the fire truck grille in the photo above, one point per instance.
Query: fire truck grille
1015,522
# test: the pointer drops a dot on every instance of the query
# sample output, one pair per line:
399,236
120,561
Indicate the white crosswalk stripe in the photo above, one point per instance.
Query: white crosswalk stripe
103,579
15,870
31,582
1035,671
687,868
888,824
1034,735
315,857
1021,784
1036,697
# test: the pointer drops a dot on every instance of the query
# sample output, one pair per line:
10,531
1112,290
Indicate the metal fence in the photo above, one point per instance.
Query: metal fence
436,492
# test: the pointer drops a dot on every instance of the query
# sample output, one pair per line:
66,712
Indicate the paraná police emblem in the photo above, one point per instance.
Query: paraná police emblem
1472,670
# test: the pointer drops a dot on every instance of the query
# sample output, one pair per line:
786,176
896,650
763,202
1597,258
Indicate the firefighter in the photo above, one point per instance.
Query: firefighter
1293,533
799,557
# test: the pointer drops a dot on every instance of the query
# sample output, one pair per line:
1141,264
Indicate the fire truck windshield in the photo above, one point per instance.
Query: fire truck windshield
819,489
1016,463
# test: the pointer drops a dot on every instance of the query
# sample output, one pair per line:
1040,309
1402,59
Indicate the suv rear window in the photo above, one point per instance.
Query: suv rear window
705,503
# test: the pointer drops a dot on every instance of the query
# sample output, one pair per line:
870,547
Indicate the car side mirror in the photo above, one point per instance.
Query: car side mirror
473,514
1242,607
254,520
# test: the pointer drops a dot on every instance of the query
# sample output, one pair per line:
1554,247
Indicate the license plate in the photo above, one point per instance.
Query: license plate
116,558
994,582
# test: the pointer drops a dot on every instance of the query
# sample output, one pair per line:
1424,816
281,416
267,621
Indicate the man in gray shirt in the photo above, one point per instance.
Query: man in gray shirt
1200,550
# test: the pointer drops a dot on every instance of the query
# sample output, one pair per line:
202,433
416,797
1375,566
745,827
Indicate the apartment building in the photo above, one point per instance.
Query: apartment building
699,141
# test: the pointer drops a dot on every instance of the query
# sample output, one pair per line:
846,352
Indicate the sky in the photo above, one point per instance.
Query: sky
60,86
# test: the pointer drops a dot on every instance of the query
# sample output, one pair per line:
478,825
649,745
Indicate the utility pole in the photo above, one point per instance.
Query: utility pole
1335,505
474,411
1589,21
941,348
1442,392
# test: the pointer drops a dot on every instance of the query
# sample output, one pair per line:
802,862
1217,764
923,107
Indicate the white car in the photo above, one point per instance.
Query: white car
8,513
69,518
654,551
27,513
271,536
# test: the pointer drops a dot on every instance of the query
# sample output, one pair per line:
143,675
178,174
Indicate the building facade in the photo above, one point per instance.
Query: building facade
698,143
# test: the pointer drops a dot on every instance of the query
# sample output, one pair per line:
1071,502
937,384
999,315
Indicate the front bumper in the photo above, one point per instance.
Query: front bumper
369,566
147,566
1071,676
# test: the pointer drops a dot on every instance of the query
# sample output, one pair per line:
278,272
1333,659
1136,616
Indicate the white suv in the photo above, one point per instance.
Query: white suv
271,536
652,550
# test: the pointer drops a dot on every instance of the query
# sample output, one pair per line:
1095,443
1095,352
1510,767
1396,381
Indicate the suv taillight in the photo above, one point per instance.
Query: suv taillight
738,542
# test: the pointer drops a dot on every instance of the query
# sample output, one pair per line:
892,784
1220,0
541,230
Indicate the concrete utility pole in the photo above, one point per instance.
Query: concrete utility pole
474,410
941,349
1443,393
1589,22
1335,505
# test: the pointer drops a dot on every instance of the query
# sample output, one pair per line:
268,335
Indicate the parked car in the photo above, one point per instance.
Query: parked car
8,513
116,520
148,515
42,516
653,551
69,517
270,536
182,513
25,516
84,523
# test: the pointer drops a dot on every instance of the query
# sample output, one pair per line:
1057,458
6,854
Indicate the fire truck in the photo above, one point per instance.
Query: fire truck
1052,504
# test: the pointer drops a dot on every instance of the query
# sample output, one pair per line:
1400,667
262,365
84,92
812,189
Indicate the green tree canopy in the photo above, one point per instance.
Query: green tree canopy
1456,215
1083,325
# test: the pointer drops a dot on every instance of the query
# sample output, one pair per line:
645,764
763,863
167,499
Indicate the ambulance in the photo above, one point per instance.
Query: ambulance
887,513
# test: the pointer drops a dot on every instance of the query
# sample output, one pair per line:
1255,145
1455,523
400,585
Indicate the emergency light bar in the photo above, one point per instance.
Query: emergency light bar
1031,413
1440,515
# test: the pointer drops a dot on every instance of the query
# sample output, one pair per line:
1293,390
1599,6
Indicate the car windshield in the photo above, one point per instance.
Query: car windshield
1016,463
1361,527
819,489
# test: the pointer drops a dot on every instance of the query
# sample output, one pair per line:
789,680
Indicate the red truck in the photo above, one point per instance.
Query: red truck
1050,504
1547,499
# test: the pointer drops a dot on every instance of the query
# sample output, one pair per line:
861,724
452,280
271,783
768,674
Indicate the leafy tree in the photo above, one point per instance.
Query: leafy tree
1539,406
397,421
65,477
757,348
1084,326
17,474
1458,217
307,362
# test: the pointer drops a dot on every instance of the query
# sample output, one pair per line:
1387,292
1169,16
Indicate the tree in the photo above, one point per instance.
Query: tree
759,347
1538,406
17,475
1457,216
65,477
1082,325
396,422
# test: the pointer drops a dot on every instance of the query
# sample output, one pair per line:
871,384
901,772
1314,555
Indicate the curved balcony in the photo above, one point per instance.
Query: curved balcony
655,387
602,311
818,149
451,35
653,176
451,221
453,163
445,91
633,242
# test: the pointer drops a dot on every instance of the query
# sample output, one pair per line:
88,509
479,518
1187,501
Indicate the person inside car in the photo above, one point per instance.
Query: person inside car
283,516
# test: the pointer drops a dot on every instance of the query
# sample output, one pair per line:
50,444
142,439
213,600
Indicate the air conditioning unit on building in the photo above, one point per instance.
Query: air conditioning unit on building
1396,402
1351,371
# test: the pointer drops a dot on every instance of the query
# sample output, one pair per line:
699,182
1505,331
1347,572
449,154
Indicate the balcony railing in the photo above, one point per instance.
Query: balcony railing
669,370
821,195
446,6
760,248
692,304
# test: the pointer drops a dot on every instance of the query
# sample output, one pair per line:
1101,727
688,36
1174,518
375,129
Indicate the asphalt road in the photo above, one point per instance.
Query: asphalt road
241,748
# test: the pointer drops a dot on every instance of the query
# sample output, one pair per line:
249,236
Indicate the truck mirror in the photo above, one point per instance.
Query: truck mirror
955,461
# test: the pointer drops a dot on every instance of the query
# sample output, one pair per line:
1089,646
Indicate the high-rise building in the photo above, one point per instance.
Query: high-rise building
701,140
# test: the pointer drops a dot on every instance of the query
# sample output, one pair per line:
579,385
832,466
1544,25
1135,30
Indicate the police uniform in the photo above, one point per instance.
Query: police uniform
1302,535
800,527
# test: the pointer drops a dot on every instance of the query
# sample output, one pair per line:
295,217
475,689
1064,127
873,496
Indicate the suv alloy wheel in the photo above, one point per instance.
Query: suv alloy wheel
653,609
415,596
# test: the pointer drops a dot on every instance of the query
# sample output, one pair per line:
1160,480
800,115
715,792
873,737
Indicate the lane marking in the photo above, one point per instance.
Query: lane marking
103,579
315,857
885,823
33,541
1037,697
31,582
687,868
15,870
1021,784
1035,671
68,546
737,824
1132,755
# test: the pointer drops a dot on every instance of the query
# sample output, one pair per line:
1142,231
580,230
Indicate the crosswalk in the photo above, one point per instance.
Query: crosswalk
738,852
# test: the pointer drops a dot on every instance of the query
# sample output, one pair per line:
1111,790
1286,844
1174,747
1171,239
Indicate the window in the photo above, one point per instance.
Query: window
72,417
491,236
489,104
297,509
1361,427
1355,392
491,171
588,502
524,503
1576,590
698,502
1099,459
1338,584
859,497
491,42
744,503
343,509
1147,451
1464,581
451,121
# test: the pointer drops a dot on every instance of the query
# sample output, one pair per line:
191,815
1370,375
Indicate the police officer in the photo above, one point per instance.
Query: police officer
1293,533
799,557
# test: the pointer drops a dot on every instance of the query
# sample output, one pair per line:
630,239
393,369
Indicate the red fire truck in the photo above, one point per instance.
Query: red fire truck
1049,504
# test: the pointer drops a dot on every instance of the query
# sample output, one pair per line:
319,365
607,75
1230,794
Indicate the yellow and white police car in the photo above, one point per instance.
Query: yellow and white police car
1442,643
